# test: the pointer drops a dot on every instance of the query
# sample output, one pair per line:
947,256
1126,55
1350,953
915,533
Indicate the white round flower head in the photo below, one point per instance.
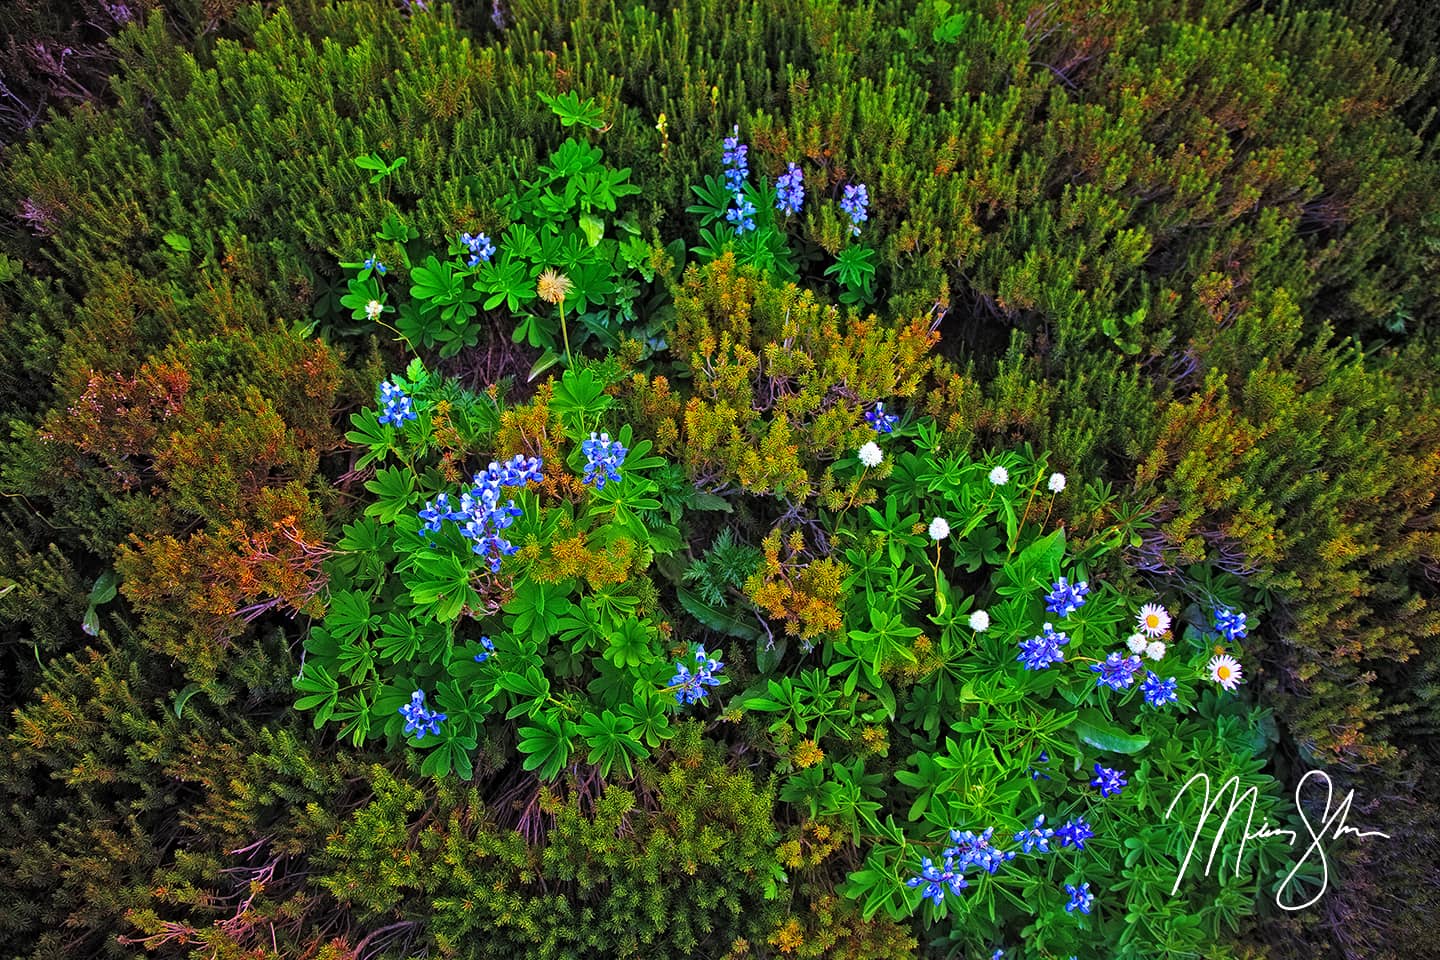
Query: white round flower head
1057,482
1225,670
979,621
1136,643
372,309
1156,650
1152,620
939,528
870,454
999,476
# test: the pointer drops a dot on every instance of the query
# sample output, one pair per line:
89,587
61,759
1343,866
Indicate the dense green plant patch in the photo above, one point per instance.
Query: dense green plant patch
734,481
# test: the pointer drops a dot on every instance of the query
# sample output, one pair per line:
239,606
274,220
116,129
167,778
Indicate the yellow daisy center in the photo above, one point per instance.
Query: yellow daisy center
1223,672
1151,620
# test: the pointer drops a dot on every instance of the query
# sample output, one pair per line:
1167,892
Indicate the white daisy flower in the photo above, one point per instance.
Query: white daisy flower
1156,650
1152,620
999,476
979,621
1136,643
1057,482
870,454
939,528
1225,670
372,309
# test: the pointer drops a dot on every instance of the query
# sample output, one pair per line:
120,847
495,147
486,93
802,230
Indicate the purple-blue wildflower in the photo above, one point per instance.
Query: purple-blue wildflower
1109,780
418,720
1036,774
970,849
489,646
691,679
737,166
373,264
1065,598
603,459
881,421
742,215
396,406
481,249
855,203
1158,692
1230,624
938,879
1037,653
481,516
1080,898
1074,832
790,191
1037,836
1116,671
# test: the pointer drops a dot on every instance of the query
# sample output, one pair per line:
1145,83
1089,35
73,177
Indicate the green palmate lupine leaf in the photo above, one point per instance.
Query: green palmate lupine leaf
354,712
530,689
394,491
546,744
571,110
651,722
1092,728
630,644
580,398
322,691
349,619
715,198
610,740
443,587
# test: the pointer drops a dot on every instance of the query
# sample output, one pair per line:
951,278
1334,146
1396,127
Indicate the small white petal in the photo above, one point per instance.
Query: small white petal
979,621
1057,482
1156,650
871,455
1136,643
999,476
939,528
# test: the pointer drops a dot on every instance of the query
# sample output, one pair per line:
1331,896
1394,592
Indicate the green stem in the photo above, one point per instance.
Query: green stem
565,332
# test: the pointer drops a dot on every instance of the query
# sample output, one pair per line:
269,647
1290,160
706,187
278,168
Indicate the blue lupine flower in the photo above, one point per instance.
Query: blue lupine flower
1036,774
690,683
603,458
436,512
1037,836
397,407
1158,692
790,191
481,516
737,167
1074,832
489,646
418,720
742,215
937,879
997,954
1037,653
1080,898
1065,598
854,203
1230,624
372,264
1109,781
1117,672
481,249
881,421
978,851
